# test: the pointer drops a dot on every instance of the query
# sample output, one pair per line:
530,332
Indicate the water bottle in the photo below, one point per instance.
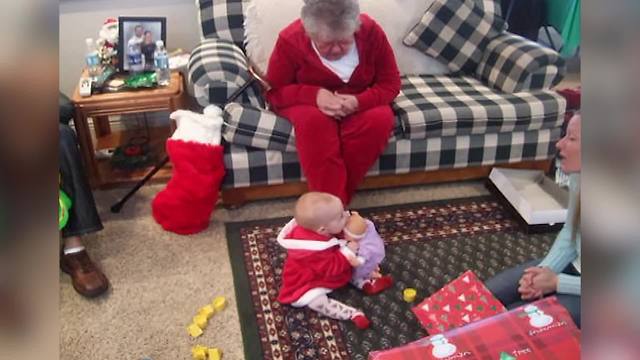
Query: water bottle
161,60
135,58
92,59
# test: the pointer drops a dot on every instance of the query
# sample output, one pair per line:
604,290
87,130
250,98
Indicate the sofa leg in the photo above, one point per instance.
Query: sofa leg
233,198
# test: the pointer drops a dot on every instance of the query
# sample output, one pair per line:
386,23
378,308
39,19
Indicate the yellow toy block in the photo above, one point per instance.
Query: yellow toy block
215,354
194,330
219,303
199,352
200,320
207,311
409,294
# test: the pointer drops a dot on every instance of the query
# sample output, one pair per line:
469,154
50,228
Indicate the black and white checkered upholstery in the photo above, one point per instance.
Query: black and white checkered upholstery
247,166
456,32
258,128
444,105
512,63
252,126
217,68
222,19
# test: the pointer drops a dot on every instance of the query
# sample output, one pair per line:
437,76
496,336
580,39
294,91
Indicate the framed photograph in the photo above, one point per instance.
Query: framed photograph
137,41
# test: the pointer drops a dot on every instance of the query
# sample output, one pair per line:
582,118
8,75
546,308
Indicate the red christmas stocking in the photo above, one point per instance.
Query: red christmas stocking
185,205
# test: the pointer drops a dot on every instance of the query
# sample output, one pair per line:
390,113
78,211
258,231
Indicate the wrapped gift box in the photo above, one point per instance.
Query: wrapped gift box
541,330
462,301
537,201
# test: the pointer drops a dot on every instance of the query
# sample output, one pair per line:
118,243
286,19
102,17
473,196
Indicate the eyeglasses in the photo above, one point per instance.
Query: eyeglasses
327,45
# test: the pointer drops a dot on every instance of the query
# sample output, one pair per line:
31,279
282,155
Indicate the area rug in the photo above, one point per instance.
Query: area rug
427,245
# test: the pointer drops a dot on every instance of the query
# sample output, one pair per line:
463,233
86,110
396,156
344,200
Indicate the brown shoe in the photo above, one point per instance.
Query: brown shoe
87,279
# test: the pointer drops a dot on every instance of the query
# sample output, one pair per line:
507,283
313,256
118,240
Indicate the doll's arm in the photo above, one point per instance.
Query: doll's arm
353,259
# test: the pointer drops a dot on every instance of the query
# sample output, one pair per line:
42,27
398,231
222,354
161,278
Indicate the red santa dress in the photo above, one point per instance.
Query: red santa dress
315,265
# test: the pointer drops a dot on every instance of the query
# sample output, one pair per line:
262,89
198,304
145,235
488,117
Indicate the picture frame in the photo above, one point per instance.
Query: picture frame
139,33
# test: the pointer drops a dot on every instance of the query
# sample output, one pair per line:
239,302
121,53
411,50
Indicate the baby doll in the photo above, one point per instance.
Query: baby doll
316,261
364,240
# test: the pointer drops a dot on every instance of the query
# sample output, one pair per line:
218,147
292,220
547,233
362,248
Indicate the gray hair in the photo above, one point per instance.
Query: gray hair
337,16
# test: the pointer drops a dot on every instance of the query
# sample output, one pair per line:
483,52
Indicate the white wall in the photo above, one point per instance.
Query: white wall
80,19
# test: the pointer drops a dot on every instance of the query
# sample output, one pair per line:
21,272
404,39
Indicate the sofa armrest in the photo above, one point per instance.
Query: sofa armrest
217,68
512,64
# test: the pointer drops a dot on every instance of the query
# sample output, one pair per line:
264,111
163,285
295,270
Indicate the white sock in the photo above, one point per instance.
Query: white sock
73,250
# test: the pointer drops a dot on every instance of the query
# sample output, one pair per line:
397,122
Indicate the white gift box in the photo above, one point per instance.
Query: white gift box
537,199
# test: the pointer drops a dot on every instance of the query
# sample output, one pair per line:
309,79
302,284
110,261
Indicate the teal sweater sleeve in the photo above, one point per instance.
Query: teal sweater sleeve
566,248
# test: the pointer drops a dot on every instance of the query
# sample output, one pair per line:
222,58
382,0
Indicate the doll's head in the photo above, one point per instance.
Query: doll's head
320,212
356,227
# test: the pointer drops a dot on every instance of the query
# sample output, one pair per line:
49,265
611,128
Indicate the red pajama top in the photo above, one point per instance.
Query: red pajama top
296,73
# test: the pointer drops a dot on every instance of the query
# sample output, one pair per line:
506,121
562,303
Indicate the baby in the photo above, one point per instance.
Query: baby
317,262
363,239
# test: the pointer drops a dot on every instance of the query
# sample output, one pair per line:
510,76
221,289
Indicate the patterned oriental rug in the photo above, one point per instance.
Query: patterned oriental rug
427,245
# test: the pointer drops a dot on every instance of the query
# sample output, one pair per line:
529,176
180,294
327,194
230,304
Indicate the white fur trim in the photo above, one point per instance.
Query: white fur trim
301,244
308,297
199,128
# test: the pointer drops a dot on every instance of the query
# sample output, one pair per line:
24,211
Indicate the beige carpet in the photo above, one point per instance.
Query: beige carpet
159,279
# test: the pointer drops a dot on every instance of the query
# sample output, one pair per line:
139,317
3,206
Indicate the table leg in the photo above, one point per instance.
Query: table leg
102,125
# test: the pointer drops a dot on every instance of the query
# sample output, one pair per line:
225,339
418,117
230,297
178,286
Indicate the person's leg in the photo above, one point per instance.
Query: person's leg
318,149
87,279
504,286
83,215
364,137
339,311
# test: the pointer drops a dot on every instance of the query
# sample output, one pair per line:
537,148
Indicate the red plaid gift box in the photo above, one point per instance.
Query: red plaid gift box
462,301
542,330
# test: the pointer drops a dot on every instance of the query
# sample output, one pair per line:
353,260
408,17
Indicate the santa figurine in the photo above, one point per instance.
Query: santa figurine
185,205
108,41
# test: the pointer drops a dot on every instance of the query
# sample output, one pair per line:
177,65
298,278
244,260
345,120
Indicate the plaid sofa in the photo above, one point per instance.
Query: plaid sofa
502,113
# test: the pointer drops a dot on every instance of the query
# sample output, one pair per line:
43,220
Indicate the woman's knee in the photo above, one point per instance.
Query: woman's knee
377,120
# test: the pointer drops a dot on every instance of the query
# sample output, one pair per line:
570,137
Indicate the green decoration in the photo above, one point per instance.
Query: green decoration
505,356
142,80
64,204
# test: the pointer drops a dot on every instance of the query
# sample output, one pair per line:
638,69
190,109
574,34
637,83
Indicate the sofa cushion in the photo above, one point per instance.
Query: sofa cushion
512,63
222,19
263,22
456,32
248,166
258,128
261,129
434,106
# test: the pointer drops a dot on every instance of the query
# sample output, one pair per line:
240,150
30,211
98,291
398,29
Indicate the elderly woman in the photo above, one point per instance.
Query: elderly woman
333,75
559,272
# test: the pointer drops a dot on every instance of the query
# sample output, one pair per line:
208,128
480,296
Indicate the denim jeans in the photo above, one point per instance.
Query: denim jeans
505,288
83,215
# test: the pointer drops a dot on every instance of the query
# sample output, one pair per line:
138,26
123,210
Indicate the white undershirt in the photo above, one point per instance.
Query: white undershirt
344,66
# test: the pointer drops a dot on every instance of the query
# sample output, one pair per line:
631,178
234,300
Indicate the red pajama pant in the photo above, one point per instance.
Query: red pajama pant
336,154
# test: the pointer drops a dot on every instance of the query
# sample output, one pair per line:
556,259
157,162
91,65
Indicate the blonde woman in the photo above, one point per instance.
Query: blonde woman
559,272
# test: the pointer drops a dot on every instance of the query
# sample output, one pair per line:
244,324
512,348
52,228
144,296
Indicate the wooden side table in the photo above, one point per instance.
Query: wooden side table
100,106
